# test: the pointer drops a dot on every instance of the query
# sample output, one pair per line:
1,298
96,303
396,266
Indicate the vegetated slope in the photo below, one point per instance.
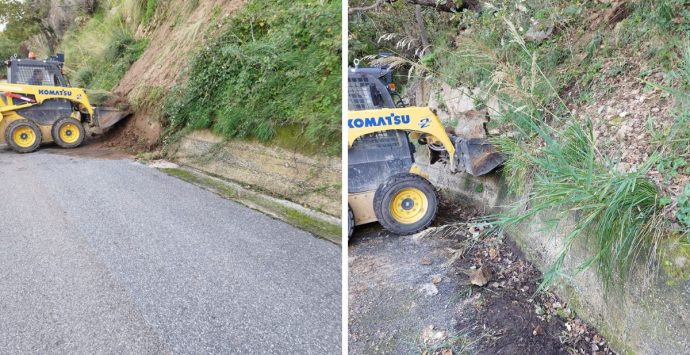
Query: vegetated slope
175,30
266,70
269,70
589,101
275,70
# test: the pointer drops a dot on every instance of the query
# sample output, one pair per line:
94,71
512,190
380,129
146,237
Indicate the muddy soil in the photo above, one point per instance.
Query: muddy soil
414,294
134,134
95,147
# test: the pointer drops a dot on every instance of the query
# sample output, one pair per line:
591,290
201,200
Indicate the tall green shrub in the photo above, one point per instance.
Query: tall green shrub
276,66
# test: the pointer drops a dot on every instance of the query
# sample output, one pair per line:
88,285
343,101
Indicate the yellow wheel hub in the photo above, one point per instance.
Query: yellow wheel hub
24,137
69,133
409,206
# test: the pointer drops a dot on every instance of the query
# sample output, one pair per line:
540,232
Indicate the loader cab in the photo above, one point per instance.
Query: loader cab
374,157
37,72
385,75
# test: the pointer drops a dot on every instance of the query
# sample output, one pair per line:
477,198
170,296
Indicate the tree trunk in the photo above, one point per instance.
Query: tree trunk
420,23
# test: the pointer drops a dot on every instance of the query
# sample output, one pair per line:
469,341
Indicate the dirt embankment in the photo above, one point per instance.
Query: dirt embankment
176,32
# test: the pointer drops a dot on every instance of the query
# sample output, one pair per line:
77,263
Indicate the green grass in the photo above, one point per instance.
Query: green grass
616,214
275,66
150,11
99,53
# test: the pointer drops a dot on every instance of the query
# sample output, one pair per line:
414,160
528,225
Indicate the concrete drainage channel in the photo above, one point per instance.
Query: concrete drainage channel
317,223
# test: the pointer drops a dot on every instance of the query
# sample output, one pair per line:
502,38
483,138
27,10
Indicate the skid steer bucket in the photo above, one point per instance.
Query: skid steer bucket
478,156
107,116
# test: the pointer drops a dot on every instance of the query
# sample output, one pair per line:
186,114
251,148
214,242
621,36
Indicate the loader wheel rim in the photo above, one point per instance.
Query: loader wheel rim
24,137
69,133
409,206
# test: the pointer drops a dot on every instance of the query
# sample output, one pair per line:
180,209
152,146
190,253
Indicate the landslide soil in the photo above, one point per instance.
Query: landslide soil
176,32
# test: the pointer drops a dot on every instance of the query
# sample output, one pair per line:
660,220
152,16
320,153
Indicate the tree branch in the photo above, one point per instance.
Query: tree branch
448,5
374,6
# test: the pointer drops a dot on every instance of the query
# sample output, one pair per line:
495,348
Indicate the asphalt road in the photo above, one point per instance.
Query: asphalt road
111,256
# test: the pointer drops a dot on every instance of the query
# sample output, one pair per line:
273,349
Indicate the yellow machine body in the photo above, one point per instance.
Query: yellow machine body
418,121
11,104
421,121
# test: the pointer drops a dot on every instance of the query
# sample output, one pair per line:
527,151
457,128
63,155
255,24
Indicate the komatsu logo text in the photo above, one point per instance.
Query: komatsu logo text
55,92
390,120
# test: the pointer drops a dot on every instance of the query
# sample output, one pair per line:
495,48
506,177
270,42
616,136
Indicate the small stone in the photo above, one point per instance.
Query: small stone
493,253
539,32
429,289
538,331
426,261
432,336
163,164
436,279
481,276
538,310
655,109
623,114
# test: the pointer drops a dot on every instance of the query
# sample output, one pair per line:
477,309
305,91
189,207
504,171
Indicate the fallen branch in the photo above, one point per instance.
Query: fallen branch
449,5
374,6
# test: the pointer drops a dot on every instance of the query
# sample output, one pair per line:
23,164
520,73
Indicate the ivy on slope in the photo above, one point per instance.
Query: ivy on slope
275,68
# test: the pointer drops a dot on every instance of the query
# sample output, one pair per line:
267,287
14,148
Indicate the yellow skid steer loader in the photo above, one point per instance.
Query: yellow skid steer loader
37,106
384,182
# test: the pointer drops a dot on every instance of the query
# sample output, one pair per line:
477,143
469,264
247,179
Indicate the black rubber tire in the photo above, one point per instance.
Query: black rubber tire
9,131
387,191
56,133
350,221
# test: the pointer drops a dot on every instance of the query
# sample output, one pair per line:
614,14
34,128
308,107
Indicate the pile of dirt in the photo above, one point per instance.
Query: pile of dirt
420,294
130,136
522,319
119,102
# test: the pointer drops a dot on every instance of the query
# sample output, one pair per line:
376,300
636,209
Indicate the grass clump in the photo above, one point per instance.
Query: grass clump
100,52
616,213
277,64
151,6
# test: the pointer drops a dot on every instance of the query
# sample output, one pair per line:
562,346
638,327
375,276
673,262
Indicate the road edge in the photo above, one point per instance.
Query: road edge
319,224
